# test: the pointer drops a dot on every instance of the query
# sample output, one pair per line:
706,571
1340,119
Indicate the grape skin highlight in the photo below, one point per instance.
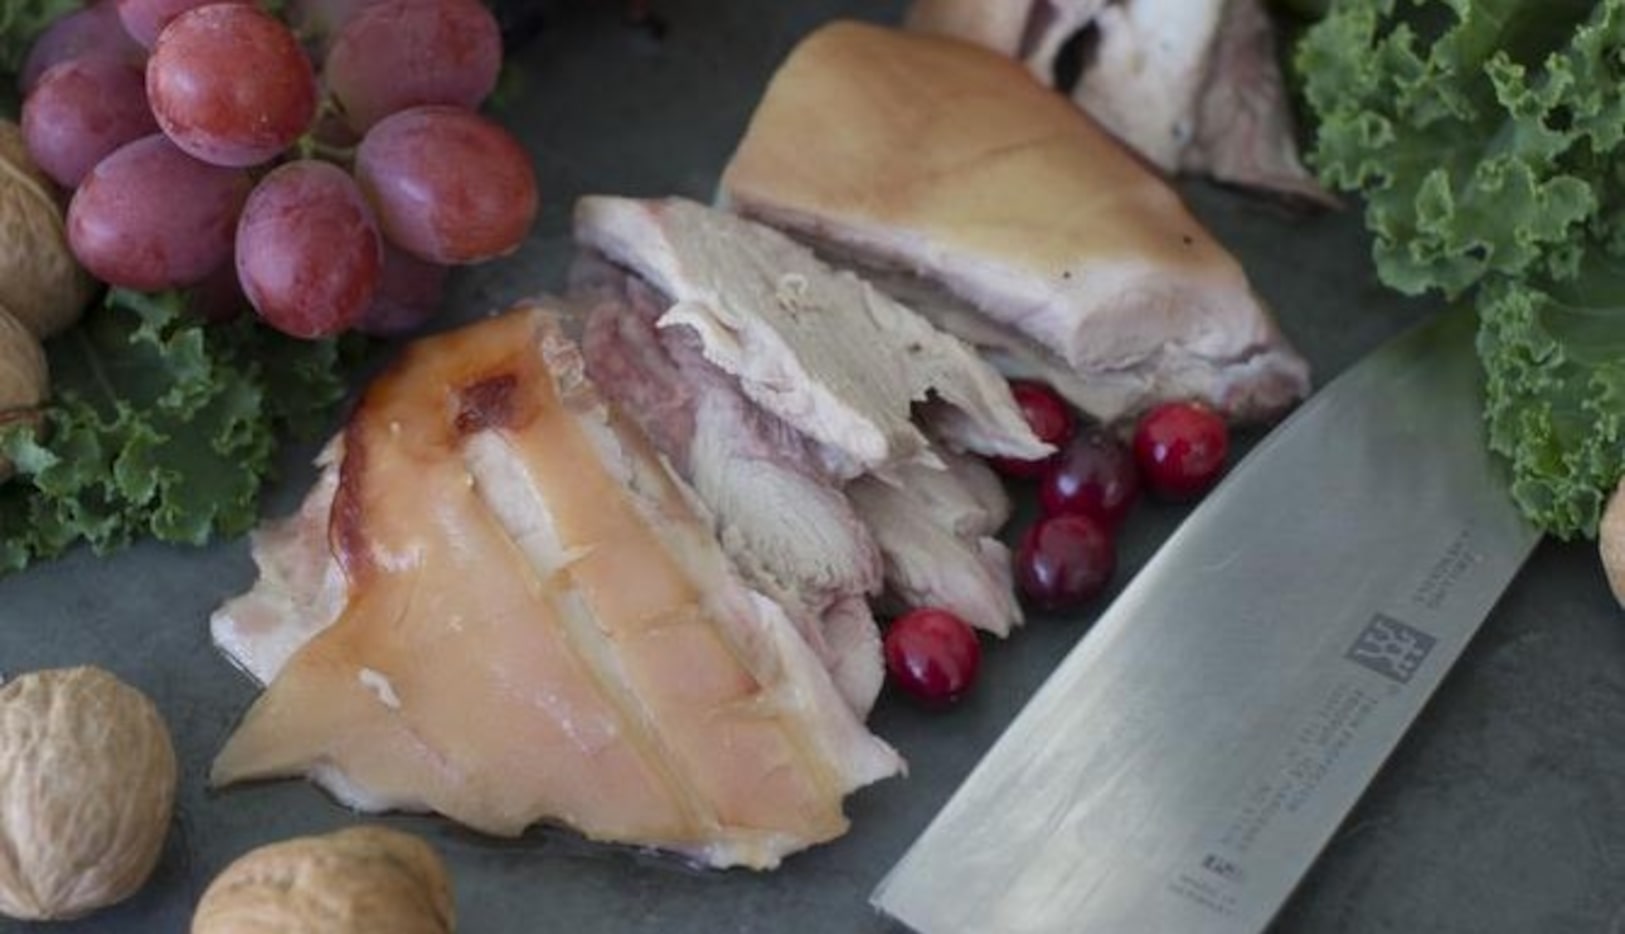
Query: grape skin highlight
231,85
81,111
145,19
151,217
93,32
309,254
396,54
449,186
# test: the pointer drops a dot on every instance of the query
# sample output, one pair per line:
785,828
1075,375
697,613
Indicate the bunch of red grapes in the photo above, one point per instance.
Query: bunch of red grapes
330,165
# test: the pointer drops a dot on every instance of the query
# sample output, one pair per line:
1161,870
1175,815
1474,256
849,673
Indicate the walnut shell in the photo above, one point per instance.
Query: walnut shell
366,880
40,281
24,379
87,785
24,382
1611,542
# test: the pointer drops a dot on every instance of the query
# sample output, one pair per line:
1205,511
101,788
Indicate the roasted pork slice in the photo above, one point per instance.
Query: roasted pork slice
953,166
538,626
935,529
967,497
301,589
788,528
1252,388
838,360
1191,84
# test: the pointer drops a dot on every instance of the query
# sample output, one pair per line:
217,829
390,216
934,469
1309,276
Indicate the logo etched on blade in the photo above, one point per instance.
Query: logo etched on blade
1391,648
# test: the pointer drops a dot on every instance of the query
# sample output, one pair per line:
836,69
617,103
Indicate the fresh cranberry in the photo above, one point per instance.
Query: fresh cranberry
1050,418
933,655
1181,449
1063,561
1093,476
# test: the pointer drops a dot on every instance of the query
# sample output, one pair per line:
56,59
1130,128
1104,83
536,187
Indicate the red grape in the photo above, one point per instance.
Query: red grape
82,110
449,185
322,19
151,217
231,85
219,297
933,655
1181,449
145,19
308,251
1063,561
1093,476
1050,418
396,54
93,32
409,293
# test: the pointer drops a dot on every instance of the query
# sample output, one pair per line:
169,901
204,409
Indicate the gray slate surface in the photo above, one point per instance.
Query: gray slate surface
1504,811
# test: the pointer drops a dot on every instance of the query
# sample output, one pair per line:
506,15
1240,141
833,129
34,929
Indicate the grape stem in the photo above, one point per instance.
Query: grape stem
309,147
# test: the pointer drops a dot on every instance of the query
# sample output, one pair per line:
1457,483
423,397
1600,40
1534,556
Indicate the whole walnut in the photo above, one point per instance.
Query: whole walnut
87,786
1611,542
23,377
24,380
366,880
40,281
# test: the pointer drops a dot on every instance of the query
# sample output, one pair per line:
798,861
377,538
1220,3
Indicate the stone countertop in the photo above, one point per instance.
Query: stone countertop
1502,811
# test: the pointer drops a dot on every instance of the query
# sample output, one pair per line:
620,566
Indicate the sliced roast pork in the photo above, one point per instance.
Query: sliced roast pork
787,526
301,588
1253,388
935,528
832,356
953,167
536,625
1191,84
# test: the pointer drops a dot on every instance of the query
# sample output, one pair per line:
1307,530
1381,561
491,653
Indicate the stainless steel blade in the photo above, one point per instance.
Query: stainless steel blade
1182,768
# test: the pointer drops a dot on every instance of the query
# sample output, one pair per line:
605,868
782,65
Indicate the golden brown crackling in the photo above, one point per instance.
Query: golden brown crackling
958,145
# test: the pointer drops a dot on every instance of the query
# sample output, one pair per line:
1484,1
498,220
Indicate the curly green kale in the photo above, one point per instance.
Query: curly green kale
160,426
1488,140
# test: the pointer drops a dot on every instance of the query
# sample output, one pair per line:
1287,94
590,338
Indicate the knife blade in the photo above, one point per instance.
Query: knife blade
1192,755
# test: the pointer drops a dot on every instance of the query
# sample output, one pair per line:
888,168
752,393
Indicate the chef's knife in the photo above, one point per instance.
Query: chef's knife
1193,754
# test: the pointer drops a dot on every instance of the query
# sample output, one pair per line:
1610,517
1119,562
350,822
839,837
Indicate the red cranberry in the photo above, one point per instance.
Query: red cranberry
933,655
1051,420
1063,561
1093,476
1181,449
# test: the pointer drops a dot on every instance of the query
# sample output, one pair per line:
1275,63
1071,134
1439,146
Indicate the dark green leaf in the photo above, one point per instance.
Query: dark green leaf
1487,138
162,426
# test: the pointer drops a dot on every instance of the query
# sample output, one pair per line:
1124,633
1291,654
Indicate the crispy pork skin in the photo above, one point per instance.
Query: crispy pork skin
954,167
833,357
538,626
787,526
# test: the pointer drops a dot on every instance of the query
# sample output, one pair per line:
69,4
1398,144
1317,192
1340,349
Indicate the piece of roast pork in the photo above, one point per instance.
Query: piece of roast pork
1193,85
936,530
782,519
1252,388
835,358
953,167
777,497
536,625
